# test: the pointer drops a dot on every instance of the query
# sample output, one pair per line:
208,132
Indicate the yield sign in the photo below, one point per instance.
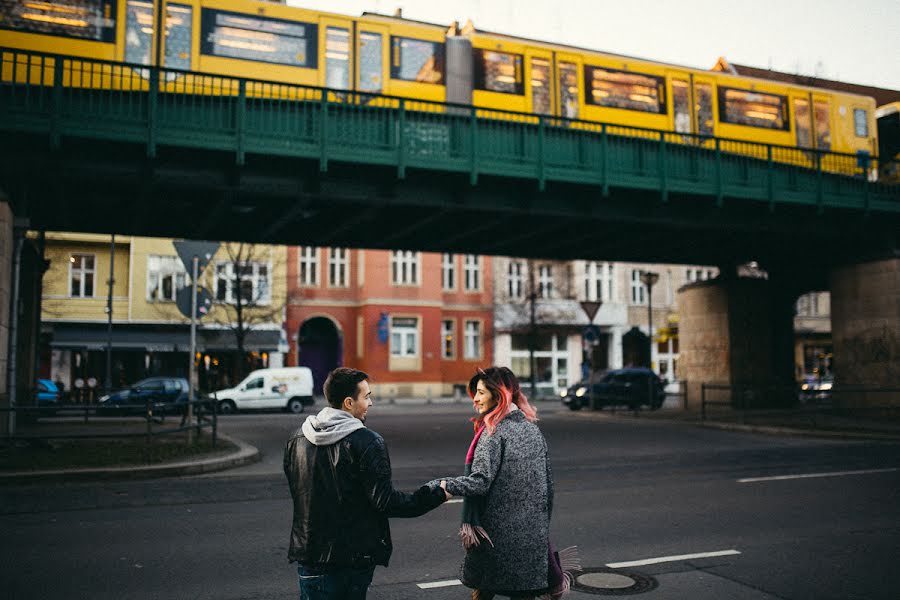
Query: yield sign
187,250
590,308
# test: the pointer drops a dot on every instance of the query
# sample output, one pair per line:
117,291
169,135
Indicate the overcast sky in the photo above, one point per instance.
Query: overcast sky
857,42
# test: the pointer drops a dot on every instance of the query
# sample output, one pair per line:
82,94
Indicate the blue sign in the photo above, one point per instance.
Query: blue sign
591,334
383,328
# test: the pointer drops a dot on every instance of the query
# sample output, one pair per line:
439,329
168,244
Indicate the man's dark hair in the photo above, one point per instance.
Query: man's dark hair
342,382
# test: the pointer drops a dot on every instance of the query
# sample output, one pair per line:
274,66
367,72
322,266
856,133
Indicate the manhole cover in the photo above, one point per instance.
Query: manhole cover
613,582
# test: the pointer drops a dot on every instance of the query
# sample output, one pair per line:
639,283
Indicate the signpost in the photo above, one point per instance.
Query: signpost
591,335
195,256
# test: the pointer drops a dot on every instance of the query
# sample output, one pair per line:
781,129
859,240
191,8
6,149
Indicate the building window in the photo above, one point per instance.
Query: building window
404,267
808,305
638,289
551,357
448,271
472,347
251,282
448,344
81,275
516,280
545,281
337,267
598,281
165,276
695,274
472,267
404,336
309,266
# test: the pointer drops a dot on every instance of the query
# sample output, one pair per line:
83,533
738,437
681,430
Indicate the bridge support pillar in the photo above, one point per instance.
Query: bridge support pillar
6,264
865,329
737,332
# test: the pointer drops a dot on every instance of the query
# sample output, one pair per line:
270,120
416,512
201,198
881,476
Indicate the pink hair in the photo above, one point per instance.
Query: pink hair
505,389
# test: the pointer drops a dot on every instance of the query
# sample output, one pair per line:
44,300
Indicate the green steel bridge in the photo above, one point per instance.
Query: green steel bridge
99,146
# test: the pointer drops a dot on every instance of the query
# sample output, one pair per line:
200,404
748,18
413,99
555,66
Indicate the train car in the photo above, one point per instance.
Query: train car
888,117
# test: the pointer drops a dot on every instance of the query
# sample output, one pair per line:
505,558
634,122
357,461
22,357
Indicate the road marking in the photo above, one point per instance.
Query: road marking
814,475
437,584
662,559
454,501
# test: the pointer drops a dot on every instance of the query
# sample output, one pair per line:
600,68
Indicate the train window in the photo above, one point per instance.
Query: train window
568,90
860,122
804,123
179,26
370,61
681,106
743,107
417,60
138,31
248,37
498,72
337,58
540,86
624,89
823,126
703,108
82,19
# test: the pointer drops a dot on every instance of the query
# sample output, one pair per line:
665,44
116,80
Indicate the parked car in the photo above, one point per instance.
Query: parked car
632,387
289,388
166,395
815,388
48,396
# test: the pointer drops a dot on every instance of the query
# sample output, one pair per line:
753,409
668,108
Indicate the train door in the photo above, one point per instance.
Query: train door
335,50
177,46
803,128
372,58
703,115
569,98
821,113
680,94
539,84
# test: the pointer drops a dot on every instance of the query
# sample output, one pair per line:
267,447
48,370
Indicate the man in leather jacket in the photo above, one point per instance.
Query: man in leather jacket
339,473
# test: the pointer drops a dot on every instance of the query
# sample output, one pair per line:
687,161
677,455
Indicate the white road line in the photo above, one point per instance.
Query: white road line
662,559
814,475
454,501
437,584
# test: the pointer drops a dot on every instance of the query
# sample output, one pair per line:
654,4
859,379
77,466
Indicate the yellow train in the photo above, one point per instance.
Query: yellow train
403,58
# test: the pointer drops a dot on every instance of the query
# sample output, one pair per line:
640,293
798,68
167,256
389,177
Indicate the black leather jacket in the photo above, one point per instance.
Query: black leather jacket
341,510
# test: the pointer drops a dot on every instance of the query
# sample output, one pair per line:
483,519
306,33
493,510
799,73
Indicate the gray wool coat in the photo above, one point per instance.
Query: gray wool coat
511,479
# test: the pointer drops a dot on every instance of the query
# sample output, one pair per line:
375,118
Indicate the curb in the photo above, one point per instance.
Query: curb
246,454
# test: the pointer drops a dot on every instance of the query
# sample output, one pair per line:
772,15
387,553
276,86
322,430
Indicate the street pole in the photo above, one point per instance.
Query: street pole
109,312
192,368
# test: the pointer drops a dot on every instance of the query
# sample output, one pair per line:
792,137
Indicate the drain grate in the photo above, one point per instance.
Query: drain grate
613,582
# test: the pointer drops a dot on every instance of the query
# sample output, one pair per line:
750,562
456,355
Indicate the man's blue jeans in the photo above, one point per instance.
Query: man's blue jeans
336,584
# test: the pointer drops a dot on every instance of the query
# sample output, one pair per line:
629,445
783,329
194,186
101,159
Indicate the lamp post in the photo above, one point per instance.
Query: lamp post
649,279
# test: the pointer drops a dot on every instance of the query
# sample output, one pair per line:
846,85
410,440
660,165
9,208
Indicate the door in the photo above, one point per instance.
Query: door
372,59
704,110
252,394
539,83
568,77
680,93
821,111
335,49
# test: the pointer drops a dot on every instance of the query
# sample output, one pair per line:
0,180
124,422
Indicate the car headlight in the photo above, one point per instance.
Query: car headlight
103,399
563,393
825,386
804,387
580,392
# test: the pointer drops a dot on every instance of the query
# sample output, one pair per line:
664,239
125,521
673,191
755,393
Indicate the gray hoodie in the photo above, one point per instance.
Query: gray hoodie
330,426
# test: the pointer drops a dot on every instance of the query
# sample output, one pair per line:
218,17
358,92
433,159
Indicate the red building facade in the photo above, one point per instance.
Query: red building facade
419,323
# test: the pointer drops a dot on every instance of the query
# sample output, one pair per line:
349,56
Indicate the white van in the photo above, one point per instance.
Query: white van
290,388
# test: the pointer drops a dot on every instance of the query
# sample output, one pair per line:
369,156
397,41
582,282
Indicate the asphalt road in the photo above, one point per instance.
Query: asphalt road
627,490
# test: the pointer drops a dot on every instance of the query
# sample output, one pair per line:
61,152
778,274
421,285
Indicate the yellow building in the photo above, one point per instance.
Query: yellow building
149,335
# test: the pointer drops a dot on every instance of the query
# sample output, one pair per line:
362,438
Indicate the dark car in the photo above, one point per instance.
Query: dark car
165,395
632,387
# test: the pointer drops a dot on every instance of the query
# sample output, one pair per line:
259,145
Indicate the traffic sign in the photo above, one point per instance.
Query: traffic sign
187,250
590,308
183,301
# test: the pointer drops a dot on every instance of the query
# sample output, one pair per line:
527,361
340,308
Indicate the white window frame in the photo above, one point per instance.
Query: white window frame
516,280
472,271
165,267
545,281
638,289
404,338
257,296
472,339
404,267
598,281
76,265
448,272
308,266
448,330
338,267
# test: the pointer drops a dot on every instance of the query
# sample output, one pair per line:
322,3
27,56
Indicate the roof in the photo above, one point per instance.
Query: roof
881,95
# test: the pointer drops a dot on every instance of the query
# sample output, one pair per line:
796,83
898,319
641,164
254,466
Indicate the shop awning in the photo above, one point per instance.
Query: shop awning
160,339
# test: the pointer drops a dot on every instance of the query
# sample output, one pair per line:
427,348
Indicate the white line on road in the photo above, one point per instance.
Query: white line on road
662,559
814,475
437,584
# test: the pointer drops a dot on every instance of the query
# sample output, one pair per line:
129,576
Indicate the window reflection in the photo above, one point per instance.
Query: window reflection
568,90
623,89
742,107
681,106
258,38
823,125
417,60
337,58
370,62
703,108
804,124
540,86
498,72
83,19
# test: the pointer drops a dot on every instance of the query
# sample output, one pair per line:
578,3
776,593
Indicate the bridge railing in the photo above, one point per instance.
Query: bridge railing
63,97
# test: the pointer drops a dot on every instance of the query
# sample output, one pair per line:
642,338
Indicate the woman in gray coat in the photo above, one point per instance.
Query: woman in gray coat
508,491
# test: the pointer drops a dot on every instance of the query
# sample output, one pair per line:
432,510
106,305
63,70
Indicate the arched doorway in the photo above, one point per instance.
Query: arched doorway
319,347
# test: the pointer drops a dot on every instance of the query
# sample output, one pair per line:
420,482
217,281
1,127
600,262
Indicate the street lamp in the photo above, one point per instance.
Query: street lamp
649,279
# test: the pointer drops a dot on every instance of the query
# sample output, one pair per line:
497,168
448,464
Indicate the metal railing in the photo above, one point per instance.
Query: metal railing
63,96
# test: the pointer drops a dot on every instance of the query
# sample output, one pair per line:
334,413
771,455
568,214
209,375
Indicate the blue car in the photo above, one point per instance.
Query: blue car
48,396
163,394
